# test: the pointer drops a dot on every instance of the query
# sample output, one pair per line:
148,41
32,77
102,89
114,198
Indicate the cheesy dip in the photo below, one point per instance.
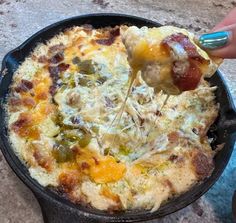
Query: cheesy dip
63,125
168,57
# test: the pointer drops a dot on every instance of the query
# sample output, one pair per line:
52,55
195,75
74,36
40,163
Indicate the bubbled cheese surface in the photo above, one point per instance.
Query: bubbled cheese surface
71,139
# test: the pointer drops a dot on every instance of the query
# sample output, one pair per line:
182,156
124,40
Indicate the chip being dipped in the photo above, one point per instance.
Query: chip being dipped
168,57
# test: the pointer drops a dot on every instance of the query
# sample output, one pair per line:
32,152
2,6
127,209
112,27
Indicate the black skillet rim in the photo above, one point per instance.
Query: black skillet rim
21,171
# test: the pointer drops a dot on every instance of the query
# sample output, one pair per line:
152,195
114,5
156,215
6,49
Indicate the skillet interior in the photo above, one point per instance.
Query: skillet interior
56,208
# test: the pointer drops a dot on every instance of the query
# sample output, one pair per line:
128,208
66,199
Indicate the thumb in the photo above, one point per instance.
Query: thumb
221,42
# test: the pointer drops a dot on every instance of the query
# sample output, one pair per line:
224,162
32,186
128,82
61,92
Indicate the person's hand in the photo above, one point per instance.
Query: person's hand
221,41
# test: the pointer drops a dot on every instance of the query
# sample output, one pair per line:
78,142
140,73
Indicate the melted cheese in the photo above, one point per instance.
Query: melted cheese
138,162
107,170
155,61
101,169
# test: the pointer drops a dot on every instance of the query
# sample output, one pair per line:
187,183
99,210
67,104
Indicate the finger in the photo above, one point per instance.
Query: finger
222,43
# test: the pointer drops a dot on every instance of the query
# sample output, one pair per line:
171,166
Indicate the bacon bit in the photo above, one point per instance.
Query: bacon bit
202,164
95,160
173,137
189,80
106,42
44,162
141,120
28,84
113,34
23,127
23,121
28,102
68,181
85,165
75,149
185,42
63,67
173,157
31,132
52,90
56,48
54,72
176,159
42,59
158,113
57,58
15,101
24,86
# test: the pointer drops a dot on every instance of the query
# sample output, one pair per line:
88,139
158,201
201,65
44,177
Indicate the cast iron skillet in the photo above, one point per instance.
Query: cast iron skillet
57,209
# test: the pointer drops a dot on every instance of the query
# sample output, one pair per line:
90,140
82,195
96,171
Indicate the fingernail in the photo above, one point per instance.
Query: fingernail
214,40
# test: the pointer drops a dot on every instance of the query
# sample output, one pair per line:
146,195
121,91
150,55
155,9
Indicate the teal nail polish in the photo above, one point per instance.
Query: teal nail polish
214,40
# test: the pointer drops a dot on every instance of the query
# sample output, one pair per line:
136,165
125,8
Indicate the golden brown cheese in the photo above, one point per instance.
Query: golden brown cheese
62,123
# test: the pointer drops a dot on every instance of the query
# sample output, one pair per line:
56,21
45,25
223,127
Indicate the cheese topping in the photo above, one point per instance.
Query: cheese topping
63,102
